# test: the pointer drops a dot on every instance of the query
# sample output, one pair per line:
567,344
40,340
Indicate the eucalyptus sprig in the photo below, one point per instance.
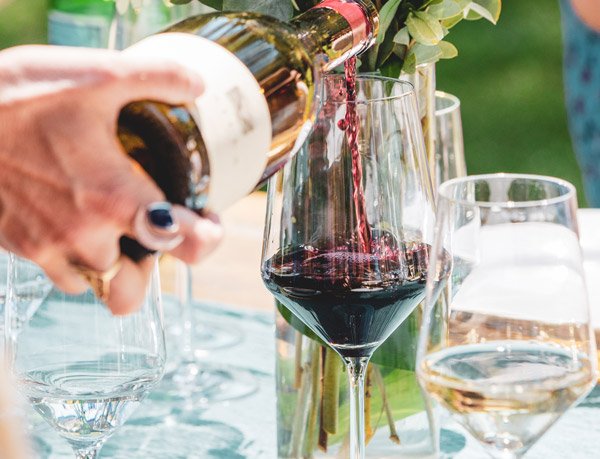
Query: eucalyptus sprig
412,32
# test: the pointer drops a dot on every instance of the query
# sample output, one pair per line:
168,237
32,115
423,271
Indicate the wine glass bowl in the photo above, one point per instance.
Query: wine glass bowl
84,370
449,145
349,224
506,345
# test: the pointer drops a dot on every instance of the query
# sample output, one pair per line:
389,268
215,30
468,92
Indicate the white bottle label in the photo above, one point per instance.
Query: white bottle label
68,29
232,114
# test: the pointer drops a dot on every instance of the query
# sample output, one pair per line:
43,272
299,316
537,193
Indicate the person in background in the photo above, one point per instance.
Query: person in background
581,30
68,192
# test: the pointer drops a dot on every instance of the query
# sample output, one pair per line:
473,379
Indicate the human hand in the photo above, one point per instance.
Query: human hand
68,192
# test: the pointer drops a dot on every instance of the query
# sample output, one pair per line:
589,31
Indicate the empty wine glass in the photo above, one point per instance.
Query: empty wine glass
349,224
508,347
449,144
83,369
31,287
194,380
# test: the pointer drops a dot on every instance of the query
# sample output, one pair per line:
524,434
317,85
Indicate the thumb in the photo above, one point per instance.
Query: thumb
156,79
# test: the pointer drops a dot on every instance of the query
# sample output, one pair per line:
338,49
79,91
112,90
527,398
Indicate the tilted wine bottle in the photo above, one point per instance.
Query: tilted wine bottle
260,76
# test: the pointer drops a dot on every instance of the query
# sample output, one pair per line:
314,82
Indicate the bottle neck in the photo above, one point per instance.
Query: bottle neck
338,29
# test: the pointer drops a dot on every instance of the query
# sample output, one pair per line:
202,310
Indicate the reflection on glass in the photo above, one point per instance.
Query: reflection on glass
507,347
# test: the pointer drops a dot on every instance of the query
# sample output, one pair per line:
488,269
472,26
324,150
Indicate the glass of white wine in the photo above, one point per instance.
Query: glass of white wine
84,370
506,345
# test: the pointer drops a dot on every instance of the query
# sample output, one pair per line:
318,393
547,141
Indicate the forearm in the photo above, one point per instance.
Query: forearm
588,11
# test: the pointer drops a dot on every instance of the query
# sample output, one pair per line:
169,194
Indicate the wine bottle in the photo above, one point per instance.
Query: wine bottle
261,76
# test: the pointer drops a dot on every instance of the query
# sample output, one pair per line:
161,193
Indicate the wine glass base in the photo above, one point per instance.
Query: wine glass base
207,335
175,436
210,335
202,384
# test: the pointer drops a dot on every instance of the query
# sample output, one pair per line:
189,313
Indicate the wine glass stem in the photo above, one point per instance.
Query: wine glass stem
357,369
185,295
10,313
87,453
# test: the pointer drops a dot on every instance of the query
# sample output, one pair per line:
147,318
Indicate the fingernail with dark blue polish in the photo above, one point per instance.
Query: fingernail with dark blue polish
160,217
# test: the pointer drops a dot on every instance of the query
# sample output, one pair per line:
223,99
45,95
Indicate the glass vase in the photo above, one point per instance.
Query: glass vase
312,397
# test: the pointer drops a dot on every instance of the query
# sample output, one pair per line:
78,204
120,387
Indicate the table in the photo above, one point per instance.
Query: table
246,428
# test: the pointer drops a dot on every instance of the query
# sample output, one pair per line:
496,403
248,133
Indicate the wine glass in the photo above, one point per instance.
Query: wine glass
31,287
349,224
449,144
194,380
82,369
508,346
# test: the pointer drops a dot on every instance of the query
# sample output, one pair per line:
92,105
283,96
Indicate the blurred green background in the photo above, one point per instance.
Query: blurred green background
508,77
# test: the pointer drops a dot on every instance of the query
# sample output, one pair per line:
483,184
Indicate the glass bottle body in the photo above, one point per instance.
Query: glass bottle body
252,118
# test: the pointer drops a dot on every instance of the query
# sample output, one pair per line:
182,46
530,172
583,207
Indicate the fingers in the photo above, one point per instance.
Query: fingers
156,79
156,228
177,230
129,287
64,275
127,76
200,235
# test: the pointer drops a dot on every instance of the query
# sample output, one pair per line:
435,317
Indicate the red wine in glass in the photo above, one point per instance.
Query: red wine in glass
352,301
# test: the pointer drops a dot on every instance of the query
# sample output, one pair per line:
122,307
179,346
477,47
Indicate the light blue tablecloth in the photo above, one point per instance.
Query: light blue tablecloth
245,428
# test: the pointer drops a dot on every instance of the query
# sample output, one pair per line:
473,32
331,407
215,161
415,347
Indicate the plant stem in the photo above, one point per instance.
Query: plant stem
356,367
312,426
298,360
386,404
369,432
300,414
331,392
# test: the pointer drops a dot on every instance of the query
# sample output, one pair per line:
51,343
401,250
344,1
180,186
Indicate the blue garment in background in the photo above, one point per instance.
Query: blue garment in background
582,88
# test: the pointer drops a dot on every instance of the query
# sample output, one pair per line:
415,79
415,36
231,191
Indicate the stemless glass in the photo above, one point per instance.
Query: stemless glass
83,369
449,144
507,347
347,245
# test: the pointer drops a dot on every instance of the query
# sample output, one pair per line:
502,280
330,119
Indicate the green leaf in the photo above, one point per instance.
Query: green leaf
488,9
386,16
402,37
410,63
216,4
449,51
392,68
304,5
448,8
451,22
297,324
281,9
426,54
424,28
180,2
400,50
400,349
387,47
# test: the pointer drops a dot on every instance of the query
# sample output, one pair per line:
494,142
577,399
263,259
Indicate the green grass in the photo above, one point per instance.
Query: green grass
22,21
509,78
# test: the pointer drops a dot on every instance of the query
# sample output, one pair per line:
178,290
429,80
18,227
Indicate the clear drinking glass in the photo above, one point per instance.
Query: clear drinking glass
347,245
195,381
449,145
507,347
83,369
